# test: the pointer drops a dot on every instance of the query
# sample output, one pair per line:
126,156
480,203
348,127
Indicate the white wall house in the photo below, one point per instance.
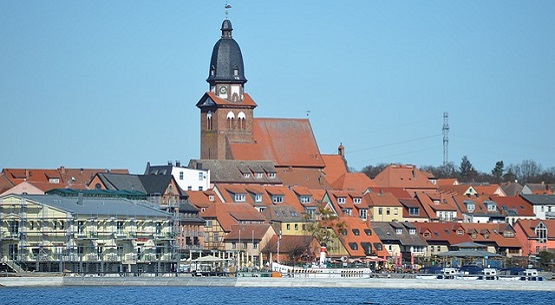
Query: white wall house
188,179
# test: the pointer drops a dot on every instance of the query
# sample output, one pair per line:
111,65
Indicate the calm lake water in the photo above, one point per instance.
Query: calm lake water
266,296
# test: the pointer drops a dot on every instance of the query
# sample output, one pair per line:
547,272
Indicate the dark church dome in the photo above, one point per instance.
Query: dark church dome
226,64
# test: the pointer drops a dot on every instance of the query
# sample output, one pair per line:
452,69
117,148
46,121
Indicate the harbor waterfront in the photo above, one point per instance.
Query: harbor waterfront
386,283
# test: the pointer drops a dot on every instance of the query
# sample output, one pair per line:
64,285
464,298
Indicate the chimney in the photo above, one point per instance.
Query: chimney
341,150
177,163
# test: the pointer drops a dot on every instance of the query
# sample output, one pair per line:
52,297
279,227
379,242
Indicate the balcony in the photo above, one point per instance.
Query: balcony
86,235
549,215
9,235
125,235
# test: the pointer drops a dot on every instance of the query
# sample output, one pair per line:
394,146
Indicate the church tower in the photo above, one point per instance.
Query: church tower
226,111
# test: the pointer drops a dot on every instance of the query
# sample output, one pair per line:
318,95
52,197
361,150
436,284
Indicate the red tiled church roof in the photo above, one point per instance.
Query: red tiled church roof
286,142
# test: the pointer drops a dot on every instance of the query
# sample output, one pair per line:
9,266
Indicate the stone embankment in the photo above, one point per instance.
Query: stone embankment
386,283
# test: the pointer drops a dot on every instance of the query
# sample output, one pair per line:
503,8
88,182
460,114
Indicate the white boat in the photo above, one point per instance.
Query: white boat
321,270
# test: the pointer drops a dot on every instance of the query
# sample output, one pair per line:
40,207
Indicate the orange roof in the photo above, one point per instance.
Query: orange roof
529,227
359,232
286,142
492,233
441,232
335,167
398,192
381,200
514,204
353,182
201,199
405,176
447,181
247,100
229,214
313,178
47,179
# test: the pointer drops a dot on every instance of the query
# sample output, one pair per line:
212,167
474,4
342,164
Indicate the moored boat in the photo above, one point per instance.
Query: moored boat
321,270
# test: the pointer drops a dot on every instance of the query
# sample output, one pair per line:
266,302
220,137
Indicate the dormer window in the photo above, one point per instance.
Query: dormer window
246,175
357,200
211,198
240,198
54,180
356,232
341,200
398,231
258,198
306,199
277,198
271,175
235,71
258,175
412,231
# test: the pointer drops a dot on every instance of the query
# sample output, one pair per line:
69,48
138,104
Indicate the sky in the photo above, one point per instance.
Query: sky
113,84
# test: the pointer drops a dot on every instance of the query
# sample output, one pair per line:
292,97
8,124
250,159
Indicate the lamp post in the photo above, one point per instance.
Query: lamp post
279,238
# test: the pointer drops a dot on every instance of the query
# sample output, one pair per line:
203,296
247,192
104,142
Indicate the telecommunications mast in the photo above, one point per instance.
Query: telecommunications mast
445,137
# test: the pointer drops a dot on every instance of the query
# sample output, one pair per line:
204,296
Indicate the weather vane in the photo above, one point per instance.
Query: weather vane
227,8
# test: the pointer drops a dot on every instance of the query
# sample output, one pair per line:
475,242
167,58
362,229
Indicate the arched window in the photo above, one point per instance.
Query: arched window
241,118
209,120
230,119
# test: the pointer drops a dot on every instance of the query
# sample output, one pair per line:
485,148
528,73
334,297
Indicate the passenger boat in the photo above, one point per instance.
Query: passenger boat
321,270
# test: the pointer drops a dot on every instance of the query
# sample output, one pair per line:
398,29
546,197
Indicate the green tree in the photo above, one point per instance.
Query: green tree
546,260
466,170
498,170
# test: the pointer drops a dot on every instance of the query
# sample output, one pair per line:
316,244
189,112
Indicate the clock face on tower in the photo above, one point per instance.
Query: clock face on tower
223,90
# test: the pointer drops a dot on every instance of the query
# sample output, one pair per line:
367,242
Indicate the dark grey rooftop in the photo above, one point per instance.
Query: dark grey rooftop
99,206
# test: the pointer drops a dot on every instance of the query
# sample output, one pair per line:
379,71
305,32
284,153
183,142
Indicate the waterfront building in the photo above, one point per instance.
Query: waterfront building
536,235
402,241
79,234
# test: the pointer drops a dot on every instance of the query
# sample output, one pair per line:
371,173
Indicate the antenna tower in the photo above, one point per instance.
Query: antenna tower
445,137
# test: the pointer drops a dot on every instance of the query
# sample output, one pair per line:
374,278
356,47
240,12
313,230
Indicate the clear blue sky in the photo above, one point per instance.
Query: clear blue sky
113,84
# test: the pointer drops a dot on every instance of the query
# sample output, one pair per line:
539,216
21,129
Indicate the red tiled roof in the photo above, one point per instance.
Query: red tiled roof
313,178
286,142
335,167
247,100
381,200
353,182
405,176
515,203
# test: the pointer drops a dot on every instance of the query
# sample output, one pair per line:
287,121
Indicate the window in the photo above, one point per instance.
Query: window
357,200
306,199
378,246
200,176
412,231
380,211
288,226
296,227
414,211
354,246
277,198
387,211
541,233
258,198
258,175
209,120
240,198
271,175
356,232
180,175
347,211
395,211
398,231
246,175
364,214
368,232
341,200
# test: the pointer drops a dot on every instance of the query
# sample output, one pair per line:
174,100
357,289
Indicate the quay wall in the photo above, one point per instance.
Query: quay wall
386,283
